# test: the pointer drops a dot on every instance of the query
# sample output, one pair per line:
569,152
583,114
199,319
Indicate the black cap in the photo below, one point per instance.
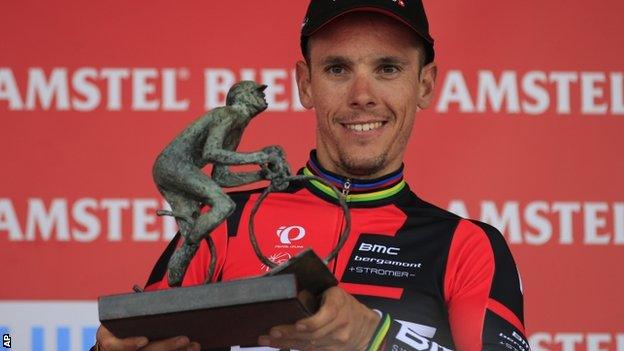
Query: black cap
410,12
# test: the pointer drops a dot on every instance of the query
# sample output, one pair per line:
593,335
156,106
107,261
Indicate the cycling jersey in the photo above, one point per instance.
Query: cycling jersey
446,282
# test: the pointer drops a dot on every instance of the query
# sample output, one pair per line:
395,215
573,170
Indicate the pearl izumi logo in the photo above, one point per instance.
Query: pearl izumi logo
289,234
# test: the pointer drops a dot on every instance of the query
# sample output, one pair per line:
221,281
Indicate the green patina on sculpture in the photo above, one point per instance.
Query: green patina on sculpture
213,139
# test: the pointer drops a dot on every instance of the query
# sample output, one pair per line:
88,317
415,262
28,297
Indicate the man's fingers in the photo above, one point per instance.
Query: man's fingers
176,343
266,340
288,336
332,299
126,344
109,342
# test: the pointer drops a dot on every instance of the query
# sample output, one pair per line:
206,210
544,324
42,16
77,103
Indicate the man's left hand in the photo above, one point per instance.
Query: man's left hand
342,323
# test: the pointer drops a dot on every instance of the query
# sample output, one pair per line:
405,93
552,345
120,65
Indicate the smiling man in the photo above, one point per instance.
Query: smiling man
365,79
412,276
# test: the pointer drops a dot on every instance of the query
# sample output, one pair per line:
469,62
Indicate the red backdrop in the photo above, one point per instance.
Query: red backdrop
526,133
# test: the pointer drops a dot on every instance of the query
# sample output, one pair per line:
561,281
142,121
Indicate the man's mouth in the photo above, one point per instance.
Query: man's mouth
364,127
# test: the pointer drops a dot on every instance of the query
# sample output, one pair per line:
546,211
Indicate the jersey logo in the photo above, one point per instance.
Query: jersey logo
289,234
417,336
388,250
277,258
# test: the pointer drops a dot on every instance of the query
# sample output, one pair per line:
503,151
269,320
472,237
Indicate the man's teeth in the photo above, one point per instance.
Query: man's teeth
365,127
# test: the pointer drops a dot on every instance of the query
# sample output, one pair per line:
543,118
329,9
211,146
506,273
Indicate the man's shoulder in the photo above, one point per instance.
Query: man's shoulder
413,205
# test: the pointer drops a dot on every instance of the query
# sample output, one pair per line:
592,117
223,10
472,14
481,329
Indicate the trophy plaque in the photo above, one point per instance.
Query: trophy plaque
222,314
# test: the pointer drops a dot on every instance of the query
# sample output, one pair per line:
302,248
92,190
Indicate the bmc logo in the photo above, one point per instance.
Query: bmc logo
417,336
388,250
289,234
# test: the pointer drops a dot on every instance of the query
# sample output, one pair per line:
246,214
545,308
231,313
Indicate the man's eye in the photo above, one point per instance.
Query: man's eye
389,69
336,70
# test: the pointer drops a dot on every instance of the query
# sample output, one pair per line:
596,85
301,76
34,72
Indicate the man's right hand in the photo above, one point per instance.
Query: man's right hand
109,342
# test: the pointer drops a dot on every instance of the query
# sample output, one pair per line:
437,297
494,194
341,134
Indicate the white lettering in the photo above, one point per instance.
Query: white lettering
566,210
536,92
593,222
617,93
562,81
9,91
539,222
114,76
568,340
412,339
141,88
272,77
44,91
509,219
87,89
114,208
389,250
506,90
590,92
217,84
618,224
538,339
542,341
8,220
170,101
142,219
47,221
594,341
458,207
248,74
81,214
455,90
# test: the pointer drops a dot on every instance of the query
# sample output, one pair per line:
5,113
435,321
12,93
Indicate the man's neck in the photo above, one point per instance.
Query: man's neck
326,166
326,163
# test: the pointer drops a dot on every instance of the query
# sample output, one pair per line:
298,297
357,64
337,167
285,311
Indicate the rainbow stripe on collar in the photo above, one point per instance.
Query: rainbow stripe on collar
359,191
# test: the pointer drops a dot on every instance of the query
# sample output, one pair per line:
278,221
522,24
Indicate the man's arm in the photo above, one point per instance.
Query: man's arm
195,274
483,294
483,291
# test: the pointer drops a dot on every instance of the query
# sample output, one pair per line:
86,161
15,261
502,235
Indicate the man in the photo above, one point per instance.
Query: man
412,276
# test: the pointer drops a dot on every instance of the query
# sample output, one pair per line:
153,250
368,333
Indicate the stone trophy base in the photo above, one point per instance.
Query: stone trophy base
222,314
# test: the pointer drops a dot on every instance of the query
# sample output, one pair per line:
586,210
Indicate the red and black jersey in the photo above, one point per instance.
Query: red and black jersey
447,282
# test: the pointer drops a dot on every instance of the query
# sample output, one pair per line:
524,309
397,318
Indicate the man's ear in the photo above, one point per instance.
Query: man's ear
428,76
303,84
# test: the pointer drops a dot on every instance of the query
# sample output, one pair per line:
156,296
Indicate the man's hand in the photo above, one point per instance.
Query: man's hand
108,342
342,323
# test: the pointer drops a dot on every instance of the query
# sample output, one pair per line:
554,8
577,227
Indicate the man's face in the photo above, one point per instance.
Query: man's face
365,83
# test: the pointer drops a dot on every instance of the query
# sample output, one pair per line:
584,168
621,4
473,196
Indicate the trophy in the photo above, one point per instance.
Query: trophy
222,314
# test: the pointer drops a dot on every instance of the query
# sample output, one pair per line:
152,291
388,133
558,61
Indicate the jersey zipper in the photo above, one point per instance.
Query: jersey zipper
346,187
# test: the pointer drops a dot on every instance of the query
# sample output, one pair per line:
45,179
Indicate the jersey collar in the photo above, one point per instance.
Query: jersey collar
358,191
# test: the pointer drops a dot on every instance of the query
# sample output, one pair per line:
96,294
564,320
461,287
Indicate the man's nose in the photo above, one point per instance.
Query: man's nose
362,94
